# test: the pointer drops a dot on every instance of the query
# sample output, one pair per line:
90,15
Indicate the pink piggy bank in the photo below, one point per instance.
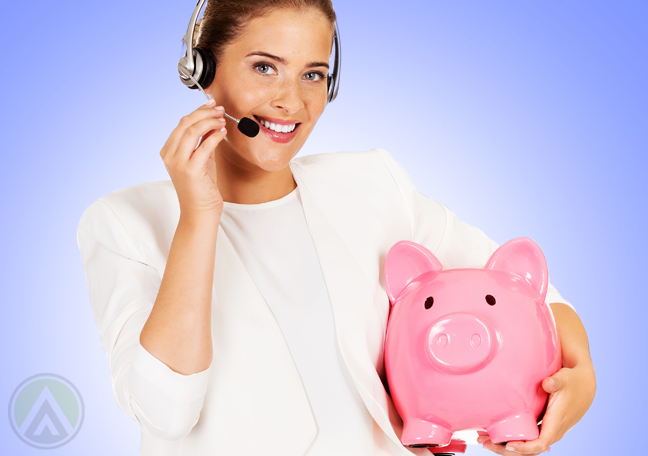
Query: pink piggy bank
467,349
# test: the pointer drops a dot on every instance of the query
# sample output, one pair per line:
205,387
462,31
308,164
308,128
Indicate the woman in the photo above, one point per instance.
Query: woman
242,305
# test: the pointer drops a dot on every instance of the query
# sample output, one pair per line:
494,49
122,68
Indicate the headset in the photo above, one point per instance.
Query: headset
199,62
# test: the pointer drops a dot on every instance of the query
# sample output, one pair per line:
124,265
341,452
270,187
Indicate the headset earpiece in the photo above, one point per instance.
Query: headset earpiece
204,68
208,67
333,78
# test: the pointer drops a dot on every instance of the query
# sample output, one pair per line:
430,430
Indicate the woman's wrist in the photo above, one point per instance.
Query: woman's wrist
200,218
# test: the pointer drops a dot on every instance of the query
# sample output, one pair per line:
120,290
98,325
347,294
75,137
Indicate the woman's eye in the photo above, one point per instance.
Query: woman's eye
264,68
314,76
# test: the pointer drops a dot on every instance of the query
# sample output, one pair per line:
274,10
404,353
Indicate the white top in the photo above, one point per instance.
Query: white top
274,243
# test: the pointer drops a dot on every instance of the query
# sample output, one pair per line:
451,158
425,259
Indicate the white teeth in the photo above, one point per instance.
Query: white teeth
278,128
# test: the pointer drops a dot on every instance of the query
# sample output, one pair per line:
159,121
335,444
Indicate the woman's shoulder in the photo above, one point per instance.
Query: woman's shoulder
373,169
145,211
147,198
352,167
147,192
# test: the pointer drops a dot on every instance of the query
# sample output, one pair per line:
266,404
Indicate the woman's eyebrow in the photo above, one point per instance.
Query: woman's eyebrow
284,62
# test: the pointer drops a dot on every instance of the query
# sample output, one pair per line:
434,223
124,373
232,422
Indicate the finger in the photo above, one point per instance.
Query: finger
192,136
202,113
204,137
481,439
555,382
541,445
178,137
202,153
482,436
190,119
504,450
497,448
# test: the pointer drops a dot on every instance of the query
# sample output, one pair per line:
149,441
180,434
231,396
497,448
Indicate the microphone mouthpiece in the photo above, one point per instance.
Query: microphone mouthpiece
248,127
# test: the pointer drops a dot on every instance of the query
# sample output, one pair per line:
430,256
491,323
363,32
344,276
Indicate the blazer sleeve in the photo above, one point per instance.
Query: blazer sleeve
123,288
455,243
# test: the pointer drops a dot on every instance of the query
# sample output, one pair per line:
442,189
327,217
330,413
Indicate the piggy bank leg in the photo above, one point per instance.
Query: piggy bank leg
518,427
420,433
456,446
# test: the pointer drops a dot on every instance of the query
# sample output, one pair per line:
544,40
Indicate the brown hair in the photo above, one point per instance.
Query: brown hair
224,20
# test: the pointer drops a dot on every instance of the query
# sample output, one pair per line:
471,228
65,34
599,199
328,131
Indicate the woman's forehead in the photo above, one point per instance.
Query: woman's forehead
288,33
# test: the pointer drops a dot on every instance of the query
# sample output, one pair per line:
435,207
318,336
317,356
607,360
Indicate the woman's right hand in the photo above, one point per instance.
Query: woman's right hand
193,169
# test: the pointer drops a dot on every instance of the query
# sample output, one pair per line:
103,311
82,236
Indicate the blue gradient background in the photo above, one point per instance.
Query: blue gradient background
526,118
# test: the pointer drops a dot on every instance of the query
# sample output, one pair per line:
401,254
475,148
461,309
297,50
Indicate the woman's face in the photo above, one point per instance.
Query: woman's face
274,73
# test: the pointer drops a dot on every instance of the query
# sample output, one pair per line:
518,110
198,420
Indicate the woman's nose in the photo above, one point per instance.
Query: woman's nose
289,99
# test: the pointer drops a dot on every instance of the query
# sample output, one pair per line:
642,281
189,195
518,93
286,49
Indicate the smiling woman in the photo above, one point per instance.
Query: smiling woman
267,73
242,304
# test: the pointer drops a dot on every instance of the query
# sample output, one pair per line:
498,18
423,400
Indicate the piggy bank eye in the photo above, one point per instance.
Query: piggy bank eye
429,302
490,299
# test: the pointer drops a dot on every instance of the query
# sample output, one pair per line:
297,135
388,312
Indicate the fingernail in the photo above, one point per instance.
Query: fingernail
222,129
548,450
552,383
211,101
220,108
510,448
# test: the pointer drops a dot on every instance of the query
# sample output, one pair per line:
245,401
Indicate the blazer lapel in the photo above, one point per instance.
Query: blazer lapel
356,320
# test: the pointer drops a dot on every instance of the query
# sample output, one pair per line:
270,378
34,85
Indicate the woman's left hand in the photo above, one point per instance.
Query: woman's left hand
571,389
571,394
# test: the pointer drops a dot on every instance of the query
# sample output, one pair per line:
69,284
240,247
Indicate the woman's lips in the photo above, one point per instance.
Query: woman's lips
276,136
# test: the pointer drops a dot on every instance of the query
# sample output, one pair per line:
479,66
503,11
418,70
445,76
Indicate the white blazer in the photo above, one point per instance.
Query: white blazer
251,400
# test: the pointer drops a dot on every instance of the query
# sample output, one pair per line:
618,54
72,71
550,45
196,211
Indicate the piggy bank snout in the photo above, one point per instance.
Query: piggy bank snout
459,343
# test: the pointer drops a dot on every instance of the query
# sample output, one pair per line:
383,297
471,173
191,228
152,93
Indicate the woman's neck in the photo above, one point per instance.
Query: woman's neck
252,186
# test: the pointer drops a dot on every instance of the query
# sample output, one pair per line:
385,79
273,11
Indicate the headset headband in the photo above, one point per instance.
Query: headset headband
199,63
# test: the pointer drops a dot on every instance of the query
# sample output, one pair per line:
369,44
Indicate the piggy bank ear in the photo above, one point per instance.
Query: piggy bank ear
405,262
523,257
